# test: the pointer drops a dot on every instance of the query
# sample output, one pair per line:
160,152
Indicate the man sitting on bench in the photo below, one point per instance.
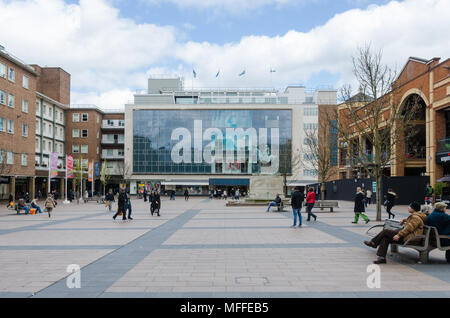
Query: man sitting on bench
413,226
22,206
275,202
440,220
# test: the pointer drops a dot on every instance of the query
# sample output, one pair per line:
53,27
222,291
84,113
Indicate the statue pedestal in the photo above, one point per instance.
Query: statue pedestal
265,187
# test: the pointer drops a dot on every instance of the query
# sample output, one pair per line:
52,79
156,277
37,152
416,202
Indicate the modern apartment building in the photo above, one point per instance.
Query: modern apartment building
18,83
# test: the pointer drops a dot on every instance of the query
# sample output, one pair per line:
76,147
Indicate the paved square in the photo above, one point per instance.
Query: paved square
201,248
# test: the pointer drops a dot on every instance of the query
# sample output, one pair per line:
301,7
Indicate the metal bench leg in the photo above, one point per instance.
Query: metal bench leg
423,257
394,248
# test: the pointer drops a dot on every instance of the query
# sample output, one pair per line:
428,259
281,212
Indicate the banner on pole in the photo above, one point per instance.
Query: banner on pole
91,171
53,165
69,167
97,169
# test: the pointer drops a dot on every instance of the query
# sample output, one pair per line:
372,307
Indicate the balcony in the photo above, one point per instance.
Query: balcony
443,146
113,124
112,142
113,156
350,162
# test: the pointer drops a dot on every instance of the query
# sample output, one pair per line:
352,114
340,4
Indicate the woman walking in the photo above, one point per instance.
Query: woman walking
390,200
359,206
310,201
50,204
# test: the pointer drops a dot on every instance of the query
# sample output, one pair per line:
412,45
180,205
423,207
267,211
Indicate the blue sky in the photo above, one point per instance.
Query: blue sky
111,47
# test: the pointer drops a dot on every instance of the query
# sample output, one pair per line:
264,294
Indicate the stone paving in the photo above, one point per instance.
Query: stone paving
201,248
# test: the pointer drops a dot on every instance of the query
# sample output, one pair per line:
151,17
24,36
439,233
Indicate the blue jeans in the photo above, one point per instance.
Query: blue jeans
273,203
27,209
299,213
38,209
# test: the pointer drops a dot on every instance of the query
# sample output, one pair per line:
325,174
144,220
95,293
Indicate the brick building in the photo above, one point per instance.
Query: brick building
428,153
17,125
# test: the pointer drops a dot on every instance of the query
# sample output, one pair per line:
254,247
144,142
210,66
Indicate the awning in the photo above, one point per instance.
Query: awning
300,183
444,179
229,182
185,183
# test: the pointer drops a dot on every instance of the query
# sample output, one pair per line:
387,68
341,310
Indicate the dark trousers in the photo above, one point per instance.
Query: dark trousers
121,209
383,239
388,209
309,207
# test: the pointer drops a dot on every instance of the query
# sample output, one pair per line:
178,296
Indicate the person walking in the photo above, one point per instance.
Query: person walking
238,194
121,205
34,205
310,201
86,196
145,195
368,200
428,194
10,201
156,204
109,199
441,221
151,198
390,201
128,204
225,194
50,204
413,226
297,199
186,194
359,206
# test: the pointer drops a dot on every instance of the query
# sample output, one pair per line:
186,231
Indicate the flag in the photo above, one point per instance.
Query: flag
69,167
195,74
217,75
53,165
91,171
242,73
102,174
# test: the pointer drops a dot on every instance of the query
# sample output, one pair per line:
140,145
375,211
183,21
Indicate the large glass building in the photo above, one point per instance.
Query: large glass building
218,138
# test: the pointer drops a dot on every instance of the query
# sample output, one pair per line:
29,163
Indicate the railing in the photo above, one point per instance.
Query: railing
443,145
113,126
356,161
113,156
113,142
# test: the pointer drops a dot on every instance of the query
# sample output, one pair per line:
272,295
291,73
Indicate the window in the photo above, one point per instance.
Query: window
37,144
24,159
109,153
75,133
2,124
25,82
98,134
310,172
2,156
311,111
311,125
121,152
109,165
76,118
84,163
11,74
44,110
84,117
2,70
2,97
24,130
9,158
121,123
98,150
84,149
75,149
24,105
37,108
10,126
84,133
61,118
11,100
37,127
50,147
50,112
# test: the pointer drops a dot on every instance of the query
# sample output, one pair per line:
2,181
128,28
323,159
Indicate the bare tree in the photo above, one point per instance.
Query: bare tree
124,172
286,167
372,126
318,152
105,176
5,168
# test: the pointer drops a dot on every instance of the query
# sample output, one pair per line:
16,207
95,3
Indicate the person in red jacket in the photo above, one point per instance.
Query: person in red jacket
310,201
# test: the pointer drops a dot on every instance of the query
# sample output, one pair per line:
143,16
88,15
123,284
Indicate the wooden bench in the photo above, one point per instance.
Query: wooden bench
420,243
326,204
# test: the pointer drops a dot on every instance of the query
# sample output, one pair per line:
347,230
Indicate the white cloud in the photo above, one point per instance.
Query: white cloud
109,56
399,29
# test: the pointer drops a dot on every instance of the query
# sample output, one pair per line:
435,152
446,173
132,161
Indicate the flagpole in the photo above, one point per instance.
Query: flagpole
49,180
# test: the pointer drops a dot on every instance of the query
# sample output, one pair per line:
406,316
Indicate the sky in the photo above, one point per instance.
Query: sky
111,47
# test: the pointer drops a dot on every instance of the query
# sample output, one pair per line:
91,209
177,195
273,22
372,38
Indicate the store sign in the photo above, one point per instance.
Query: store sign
443,158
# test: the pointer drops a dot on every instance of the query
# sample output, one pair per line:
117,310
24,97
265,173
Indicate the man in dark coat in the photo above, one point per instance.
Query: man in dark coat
156,204
440,220
121,205
297,199
390,201
359,206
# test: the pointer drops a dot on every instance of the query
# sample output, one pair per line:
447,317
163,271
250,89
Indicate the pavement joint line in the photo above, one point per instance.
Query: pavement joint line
152,239
265,245
57,247
353,237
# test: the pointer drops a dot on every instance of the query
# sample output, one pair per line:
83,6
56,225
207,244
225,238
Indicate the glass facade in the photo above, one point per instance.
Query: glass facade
212,141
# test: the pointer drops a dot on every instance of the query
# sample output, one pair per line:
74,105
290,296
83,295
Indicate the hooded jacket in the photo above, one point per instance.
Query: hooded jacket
413,225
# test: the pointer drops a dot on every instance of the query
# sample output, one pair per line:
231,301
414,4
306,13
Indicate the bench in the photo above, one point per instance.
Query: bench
420,243
435,239
326,204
